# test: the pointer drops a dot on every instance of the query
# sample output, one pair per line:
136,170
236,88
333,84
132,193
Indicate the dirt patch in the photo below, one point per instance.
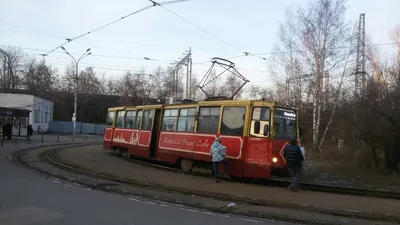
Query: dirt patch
341,174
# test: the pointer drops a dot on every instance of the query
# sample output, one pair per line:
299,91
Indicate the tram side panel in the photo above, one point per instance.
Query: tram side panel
109,131
136,142
108,135
173,146
257,161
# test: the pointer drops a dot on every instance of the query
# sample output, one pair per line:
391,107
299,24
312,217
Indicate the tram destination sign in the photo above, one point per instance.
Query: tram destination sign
287,113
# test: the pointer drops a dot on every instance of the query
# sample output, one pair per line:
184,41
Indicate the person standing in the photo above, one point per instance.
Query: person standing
294,160
218,153
29,132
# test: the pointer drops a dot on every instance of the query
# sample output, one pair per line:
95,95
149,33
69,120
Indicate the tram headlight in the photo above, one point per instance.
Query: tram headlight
274,160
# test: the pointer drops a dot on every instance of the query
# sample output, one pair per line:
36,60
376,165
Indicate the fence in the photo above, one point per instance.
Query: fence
81,128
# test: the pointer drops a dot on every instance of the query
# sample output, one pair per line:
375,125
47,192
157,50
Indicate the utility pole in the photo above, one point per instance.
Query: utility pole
359,81
184,60
87,53
359,78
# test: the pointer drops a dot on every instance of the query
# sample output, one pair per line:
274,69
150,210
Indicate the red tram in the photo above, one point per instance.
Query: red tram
254,133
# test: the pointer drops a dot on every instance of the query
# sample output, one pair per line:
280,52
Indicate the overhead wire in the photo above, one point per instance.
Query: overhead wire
135,58
207,32
112,22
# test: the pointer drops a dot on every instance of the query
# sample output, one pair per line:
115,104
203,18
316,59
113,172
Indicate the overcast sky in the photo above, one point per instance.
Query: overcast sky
247,25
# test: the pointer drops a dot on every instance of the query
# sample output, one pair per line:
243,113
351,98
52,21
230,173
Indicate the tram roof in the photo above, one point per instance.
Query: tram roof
204,103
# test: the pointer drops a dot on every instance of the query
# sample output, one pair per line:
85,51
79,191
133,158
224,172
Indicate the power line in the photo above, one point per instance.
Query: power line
122,69
209,33
103,56
287,52
31,30
102,40
112,22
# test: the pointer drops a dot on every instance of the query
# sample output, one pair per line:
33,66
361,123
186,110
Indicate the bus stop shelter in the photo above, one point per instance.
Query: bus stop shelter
13,122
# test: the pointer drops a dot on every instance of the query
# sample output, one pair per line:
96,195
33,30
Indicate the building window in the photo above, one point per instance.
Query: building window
36,116
233,120
147,119
169,119
120,119
186,119
42,117
130,119
46,117
110,119
208,120
138,119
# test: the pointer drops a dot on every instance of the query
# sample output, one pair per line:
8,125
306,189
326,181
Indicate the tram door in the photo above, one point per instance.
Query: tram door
154,133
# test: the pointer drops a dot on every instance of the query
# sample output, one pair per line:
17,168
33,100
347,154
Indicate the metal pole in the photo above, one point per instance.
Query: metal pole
75,100
74,116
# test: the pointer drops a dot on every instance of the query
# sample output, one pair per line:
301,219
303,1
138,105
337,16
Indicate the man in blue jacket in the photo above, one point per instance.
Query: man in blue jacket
294,161
218,153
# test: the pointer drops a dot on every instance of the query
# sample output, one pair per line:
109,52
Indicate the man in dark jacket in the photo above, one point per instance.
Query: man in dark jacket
294,160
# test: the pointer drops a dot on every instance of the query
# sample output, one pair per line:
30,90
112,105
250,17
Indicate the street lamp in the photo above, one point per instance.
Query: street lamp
76,86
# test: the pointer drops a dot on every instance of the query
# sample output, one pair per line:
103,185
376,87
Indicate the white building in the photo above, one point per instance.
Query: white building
41,109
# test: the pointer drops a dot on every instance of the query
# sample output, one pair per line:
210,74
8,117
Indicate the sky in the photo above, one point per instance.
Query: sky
243,26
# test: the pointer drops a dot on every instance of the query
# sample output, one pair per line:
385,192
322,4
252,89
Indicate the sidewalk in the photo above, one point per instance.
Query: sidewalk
36,140
94,158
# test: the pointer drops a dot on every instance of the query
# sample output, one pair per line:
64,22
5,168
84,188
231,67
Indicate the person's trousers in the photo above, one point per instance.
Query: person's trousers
216,167
295,173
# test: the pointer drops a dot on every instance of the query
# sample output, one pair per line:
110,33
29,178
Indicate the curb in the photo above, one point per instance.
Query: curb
274,204
223,210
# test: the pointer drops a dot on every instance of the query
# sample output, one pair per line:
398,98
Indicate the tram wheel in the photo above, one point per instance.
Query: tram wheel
187,165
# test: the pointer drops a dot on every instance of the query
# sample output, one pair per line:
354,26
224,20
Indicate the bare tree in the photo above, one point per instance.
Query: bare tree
231,85
255,92
11,68
39,77
313,41
88,83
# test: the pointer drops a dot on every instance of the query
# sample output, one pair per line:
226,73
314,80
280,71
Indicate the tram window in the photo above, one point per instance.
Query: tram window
120,119
130,119
138,119
186,119
262,115
169,119
208,120
147,119
284,124
110,119
233,120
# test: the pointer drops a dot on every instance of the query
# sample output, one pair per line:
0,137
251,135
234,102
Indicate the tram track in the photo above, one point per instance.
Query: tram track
276,182
284,183
51,151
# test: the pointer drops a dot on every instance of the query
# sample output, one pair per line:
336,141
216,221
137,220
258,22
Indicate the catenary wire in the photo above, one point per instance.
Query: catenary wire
112,22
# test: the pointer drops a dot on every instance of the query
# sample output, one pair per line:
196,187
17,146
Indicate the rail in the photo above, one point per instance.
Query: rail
272,182
59,147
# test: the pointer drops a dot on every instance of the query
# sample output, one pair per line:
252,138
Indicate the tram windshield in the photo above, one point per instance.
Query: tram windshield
285,123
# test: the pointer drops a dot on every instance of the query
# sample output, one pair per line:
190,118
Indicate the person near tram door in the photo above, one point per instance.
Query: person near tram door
294,160
218,153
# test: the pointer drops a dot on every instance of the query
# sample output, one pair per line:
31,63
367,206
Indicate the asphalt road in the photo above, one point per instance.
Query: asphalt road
28,198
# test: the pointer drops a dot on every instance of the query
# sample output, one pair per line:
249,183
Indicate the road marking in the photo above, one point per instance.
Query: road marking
27,215
250,220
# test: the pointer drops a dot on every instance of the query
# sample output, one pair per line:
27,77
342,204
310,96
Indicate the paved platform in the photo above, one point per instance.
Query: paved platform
94,158
18,143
